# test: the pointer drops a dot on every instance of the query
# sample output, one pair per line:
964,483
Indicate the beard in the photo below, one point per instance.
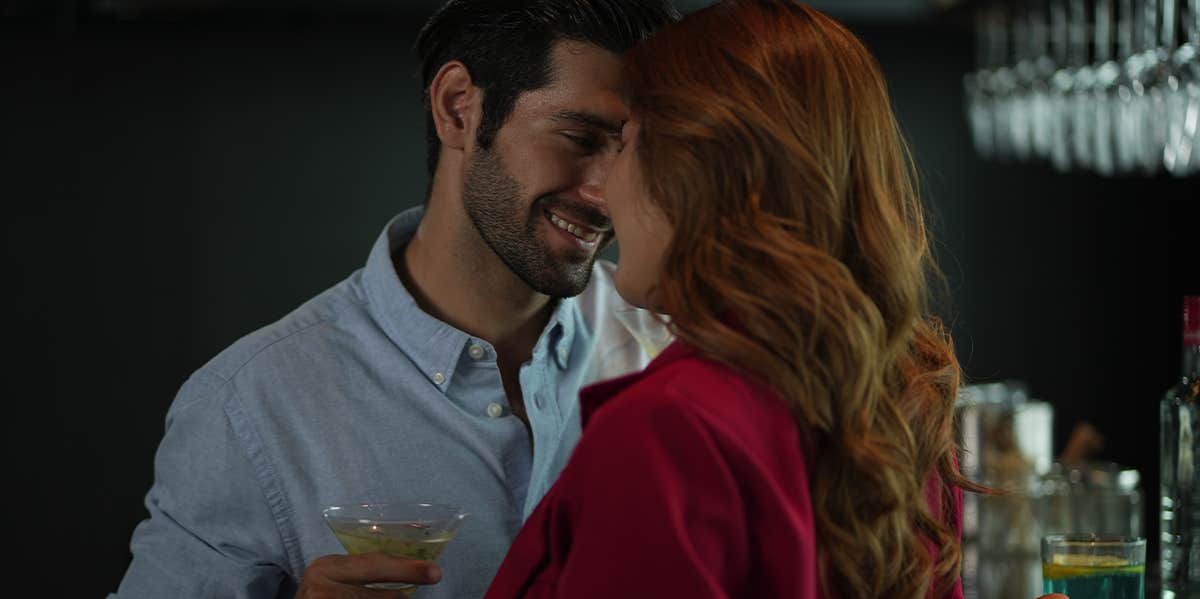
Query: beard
492,200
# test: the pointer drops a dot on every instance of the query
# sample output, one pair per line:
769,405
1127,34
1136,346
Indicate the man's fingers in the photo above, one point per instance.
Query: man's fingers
374,567
1054,596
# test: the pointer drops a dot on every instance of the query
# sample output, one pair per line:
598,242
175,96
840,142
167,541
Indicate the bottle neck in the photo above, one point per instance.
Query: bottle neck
1191,337
1191,362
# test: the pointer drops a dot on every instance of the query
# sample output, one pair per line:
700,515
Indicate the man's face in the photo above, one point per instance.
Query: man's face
535,196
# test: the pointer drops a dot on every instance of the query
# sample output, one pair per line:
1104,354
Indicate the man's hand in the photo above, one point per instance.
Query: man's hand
344,576
1054,596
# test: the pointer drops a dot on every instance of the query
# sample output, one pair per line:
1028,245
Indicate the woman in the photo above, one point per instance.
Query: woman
796,441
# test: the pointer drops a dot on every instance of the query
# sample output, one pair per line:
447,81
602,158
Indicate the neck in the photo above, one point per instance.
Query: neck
456,277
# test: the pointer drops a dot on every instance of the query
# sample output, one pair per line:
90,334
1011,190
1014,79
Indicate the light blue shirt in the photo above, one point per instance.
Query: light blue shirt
360,396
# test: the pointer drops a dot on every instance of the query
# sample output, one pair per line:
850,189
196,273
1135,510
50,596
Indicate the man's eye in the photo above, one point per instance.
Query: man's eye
585,142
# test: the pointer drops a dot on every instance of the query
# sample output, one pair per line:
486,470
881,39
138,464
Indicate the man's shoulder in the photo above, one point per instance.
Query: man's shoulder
600,293
604,310
306,329
624,337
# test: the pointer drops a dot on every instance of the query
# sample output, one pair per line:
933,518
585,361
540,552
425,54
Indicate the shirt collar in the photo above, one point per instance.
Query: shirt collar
592,397
434,346
562,331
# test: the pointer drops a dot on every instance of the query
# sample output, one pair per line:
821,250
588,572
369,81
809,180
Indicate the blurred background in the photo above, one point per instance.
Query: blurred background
178,173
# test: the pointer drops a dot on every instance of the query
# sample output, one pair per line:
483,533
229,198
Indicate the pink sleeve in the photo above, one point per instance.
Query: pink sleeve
957,517
935,489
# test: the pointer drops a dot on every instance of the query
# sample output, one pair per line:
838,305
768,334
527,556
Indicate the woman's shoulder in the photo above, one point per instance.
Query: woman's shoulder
695,393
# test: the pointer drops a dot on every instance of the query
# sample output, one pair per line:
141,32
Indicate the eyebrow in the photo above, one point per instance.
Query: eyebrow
587,119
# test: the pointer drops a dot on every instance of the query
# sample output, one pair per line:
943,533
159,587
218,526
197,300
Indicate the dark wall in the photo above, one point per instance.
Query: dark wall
171,186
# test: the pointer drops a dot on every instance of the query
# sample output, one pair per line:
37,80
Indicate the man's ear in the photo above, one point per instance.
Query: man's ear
455,104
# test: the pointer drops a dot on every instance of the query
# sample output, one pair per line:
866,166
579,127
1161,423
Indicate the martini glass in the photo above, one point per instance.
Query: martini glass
411,530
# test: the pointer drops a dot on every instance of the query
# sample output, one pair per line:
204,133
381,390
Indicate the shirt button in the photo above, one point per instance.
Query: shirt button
562,354
495,410
439,378
476,351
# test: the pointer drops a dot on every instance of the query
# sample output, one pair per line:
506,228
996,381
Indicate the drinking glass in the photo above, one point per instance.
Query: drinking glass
1108,86
412,530
1094,566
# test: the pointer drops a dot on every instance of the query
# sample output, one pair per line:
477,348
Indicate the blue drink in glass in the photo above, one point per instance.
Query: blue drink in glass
1094,567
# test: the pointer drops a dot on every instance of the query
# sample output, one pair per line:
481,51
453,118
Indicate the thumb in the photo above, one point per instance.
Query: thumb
1054,596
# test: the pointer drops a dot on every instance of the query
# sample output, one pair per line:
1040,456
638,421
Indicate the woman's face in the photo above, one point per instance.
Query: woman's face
642,231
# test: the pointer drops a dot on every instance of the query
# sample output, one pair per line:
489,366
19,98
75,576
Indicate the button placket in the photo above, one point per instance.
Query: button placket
539,396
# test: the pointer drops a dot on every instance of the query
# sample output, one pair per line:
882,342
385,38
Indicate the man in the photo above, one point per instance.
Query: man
447,369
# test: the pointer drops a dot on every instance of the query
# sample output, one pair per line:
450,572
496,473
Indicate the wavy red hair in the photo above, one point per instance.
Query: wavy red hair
769,142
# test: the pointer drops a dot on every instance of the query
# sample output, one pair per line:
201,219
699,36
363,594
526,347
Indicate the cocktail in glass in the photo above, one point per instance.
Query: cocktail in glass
411,530
1094,566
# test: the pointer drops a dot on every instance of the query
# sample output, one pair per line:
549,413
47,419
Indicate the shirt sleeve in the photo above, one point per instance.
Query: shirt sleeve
654,510
211,532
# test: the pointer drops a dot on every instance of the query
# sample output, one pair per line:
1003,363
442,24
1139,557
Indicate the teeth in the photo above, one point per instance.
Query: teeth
572,229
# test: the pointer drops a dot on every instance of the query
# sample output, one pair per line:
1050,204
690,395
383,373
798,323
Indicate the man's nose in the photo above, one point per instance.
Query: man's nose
593,193
593,190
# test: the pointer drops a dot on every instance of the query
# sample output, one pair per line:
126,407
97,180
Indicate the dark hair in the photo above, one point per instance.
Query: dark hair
506,45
